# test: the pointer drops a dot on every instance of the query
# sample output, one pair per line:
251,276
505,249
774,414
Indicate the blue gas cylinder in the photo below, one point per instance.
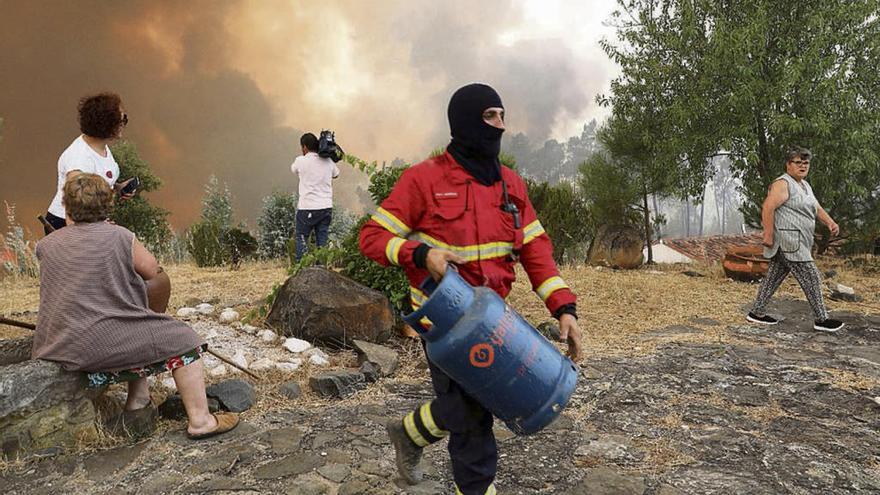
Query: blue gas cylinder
494,353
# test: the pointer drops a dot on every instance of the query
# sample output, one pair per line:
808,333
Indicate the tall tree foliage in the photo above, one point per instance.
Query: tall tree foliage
752,78
553,161
148,222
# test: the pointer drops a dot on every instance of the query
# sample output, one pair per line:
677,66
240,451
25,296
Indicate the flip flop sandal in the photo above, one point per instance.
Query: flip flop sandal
225,422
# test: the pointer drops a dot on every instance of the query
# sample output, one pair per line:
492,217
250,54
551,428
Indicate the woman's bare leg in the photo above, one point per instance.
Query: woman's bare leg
190,380
138,394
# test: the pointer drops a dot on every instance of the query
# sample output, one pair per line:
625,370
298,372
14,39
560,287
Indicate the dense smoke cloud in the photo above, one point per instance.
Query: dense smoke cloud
221,87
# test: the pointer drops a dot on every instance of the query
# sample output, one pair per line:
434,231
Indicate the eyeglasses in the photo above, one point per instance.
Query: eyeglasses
801,162
124,119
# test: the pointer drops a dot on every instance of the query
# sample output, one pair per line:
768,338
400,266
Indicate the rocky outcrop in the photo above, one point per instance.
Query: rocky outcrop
617,246
16,350
41,407
321,305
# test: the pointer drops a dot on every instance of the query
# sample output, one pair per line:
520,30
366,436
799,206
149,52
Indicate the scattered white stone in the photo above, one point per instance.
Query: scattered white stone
205,308
296,345
314,351
877,400
169,383
250,329
218,370
289,367
211,334
187,312
843,289
318,360
262,364
268,336
240,359
229,315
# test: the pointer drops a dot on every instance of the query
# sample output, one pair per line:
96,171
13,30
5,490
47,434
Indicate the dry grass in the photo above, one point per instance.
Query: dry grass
616,308
627,303
661,456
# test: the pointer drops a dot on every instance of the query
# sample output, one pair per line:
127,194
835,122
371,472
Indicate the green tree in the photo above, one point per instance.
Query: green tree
610,194
217,203
752,78
148,222
635,167
213,240
564,215
277,223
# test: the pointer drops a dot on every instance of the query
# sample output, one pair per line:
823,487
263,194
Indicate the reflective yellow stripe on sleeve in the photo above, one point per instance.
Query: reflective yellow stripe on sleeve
392,249
391,223
550,286
532,231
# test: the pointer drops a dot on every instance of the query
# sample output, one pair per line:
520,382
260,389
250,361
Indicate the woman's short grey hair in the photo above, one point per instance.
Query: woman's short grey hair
798,152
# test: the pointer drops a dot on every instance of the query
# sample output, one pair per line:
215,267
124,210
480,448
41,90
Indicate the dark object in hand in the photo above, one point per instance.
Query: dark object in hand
131,187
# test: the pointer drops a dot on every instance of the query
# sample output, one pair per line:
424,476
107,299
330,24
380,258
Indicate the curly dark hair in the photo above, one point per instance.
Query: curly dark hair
100,115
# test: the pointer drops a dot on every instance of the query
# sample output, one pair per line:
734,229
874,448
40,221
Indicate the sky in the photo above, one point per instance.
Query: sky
227,88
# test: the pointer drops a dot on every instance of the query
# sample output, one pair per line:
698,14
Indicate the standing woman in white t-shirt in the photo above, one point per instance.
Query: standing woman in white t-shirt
101,120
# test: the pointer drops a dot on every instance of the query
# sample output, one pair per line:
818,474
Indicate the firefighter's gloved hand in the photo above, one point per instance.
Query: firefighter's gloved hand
437,261
568,330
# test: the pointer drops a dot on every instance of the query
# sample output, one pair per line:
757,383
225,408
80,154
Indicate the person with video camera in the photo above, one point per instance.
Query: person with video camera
314,208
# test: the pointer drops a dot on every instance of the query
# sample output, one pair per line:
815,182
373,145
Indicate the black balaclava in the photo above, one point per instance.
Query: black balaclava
475,144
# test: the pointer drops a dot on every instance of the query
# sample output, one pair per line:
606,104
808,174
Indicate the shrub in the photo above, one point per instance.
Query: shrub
204,243
238,244
277,223
564,216
217,203
213,241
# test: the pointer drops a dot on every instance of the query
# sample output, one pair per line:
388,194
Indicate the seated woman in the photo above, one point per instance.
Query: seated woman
94,314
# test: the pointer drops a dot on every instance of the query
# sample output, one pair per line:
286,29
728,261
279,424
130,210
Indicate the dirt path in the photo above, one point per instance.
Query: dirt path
784,410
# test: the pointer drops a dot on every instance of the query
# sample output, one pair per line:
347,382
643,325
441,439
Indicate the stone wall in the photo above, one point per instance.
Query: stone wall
43,407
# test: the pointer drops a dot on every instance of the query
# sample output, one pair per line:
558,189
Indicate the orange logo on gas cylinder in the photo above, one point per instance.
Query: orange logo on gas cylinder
482,355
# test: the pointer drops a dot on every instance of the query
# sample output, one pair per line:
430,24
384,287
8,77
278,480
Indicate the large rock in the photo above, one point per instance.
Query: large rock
42,406
321,305
617,246
15,350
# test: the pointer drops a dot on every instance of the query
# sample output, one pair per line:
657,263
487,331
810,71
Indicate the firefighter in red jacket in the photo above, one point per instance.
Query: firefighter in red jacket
463,207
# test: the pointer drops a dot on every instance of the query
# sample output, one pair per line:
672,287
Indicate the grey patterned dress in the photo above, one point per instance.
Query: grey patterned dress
93,305
795,222
794,225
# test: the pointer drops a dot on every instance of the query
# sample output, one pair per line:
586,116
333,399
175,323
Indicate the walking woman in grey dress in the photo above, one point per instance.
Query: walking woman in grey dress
789,220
